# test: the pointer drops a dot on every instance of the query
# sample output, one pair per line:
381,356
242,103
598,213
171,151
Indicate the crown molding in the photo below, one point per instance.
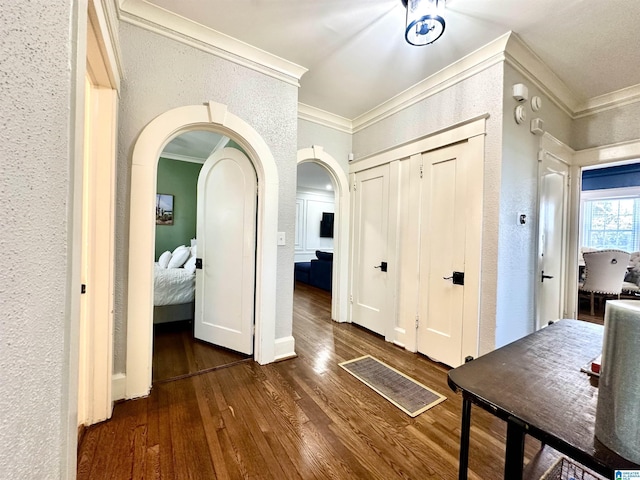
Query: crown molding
182,158
468,66
508,48
525,61
322,117
168,24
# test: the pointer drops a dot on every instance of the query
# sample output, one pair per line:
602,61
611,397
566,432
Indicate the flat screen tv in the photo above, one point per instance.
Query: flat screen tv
326,225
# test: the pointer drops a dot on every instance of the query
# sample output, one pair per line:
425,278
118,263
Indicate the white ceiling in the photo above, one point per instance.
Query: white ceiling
312,175
357,57
194,146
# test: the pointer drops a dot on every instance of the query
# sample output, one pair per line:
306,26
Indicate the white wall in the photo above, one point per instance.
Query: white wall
336,143
161,74
309,208
517,268
605,128
38,150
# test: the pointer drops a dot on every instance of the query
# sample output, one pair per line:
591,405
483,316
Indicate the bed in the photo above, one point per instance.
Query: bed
173,292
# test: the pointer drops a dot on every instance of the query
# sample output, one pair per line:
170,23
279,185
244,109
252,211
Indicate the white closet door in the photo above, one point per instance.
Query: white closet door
371,219
442,255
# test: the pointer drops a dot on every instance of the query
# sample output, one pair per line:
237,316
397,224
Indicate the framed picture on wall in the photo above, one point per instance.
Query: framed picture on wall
164,209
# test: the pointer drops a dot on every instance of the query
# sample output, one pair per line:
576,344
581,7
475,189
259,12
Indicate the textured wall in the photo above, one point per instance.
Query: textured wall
475,96
611,126
161,74
334,142
36,88
518,194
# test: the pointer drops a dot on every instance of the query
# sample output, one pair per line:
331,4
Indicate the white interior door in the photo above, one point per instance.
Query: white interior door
442,252
371,219
226,233
552,232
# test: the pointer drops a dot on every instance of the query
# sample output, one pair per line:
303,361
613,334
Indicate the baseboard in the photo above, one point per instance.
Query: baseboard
118,386
285,348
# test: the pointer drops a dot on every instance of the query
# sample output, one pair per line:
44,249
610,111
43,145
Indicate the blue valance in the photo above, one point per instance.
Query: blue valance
611,177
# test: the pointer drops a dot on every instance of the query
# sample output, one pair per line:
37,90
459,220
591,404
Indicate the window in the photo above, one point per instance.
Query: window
611,219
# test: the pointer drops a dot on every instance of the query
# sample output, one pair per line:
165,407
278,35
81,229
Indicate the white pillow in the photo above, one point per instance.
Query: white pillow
194,251
179,247
179,257
164,259
190,266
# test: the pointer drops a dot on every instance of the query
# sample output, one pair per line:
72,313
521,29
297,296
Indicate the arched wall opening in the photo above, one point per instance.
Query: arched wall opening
340,280
213,117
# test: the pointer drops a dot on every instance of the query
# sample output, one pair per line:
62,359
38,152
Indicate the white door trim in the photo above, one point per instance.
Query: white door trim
95,402
340,281
214,117
95,339
551,148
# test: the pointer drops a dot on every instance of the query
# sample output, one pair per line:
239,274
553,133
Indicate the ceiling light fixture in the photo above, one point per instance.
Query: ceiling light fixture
424,24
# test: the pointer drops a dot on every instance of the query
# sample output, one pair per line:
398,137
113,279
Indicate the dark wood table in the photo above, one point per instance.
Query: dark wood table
536,386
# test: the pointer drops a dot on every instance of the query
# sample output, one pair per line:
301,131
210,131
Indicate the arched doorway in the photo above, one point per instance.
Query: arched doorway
339,294
214,117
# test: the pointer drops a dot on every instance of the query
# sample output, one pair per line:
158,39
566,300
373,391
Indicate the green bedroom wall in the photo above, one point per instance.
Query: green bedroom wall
179,179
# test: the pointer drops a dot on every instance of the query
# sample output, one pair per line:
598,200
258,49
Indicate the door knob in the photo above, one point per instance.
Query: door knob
543,276
382,266
457,277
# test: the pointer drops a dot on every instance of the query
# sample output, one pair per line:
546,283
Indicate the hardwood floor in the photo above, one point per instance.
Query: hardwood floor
303,418
176,353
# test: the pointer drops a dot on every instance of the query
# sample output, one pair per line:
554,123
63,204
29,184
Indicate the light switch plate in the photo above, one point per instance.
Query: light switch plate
281,238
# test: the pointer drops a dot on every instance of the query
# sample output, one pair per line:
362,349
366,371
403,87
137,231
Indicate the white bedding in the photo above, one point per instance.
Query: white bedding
173,286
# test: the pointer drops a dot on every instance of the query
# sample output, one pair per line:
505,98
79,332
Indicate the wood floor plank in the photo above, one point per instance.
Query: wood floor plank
190,453
176,353
304,418
212,423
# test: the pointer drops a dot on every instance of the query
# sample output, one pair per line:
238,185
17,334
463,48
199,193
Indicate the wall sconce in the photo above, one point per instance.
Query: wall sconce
424,23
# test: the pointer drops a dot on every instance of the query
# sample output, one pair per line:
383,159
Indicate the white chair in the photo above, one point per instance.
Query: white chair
631,284
604,273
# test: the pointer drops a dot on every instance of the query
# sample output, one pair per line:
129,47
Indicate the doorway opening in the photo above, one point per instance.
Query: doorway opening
215,118
609,219
315,202
317,169
177,350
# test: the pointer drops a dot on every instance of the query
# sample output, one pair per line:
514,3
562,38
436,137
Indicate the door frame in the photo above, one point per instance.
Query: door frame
95,327
553,148
160,131
340,275
602,156
404,162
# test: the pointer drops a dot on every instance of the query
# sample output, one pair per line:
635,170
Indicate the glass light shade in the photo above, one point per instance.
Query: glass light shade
424,24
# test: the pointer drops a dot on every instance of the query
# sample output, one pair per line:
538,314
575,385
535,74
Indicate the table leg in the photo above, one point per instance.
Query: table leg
514,457
464,437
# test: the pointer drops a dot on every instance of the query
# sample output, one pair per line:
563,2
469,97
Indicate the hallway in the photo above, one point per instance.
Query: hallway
301,418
